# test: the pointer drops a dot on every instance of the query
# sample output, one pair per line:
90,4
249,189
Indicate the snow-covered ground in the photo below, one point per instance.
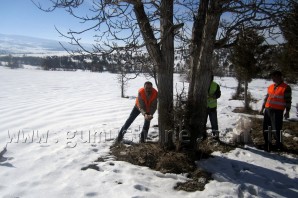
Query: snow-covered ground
55,123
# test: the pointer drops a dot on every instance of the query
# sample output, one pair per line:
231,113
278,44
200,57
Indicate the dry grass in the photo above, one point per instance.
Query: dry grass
154,157
290,136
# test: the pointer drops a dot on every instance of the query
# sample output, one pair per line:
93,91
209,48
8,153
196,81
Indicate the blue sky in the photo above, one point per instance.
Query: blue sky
22,17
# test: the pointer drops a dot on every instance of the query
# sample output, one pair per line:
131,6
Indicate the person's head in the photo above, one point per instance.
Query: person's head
148,87
276,76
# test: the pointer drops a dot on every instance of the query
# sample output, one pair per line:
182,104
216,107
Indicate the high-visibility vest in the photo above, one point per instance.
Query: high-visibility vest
153,97
212,102
275,98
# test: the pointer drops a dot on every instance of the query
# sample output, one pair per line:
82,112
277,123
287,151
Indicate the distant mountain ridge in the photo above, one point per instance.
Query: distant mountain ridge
17,44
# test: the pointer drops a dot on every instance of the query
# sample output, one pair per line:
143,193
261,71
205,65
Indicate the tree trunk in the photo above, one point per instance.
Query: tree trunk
122,86
238,90
197,34
165,106
163,57
246,102
202,72
165,74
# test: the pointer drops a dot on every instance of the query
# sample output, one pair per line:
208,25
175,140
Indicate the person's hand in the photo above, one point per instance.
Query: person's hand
148,117
287,115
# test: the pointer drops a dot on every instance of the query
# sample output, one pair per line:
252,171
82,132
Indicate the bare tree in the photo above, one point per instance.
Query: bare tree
133,24
154,24
261,15
129,66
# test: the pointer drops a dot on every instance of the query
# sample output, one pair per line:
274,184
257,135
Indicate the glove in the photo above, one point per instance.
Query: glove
148,117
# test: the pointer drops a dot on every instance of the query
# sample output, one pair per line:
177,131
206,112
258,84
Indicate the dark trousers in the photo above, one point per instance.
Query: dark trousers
212,113
133,115
273,118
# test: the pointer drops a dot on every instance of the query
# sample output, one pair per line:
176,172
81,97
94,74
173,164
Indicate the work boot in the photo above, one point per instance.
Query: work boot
215,134
268,146
279,146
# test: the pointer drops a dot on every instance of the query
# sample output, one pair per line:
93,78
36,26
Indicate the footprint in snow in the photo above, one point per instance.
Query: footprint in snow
91,166
91,194
141,188
5,159
280,168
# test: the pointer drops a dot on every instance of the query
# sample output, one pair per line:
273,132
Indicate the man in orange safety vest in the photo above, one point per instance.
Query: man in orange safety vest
278,99
146,104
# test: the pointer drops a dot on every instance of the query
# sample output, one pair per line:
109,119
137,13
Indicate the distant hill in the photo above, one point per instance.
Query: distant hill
16,44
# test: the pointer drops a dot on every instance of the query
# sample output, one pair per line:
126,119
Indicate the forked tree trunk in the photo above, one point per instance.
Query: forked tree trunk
195,48
202,71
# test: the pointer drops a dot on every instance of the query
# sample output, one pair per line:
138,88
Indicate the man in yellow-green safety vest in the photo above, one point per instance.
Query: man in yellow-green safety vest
213,94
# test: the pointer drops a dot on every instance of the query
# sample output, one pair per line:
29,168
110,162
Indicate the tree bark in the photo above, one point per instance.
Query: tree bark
246,102
163,57
195,47
238,90
202,71
165,74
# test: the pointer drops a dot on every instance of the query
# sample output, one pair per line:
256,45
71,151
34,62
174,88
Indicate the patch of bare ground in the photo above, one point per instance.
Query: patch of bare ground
290,133
156,158
245,111
153,156
290,136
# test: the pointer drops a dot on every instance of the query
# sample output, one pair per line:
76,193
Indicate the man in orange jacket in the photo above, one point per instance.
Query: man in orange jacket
146,104
278,99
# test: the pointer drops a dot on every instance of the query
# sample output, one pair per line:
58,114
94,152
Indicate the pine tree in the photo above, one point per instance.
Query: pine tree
244,56
288,58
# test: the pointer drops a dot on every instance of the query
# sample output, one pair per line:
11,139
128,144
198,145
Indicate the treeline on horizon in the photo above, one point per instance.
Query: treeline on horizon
119,63
65,63
113,63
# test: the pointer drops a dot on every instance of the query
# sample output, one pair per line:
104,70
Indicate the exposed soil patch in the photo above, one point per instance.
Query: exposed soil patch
290,133
246,111
154,157
290,136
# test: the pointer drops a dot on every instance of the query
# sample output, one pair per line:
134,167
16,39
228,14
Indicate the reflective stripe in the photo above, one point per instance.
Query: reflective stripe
277,103
275,96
